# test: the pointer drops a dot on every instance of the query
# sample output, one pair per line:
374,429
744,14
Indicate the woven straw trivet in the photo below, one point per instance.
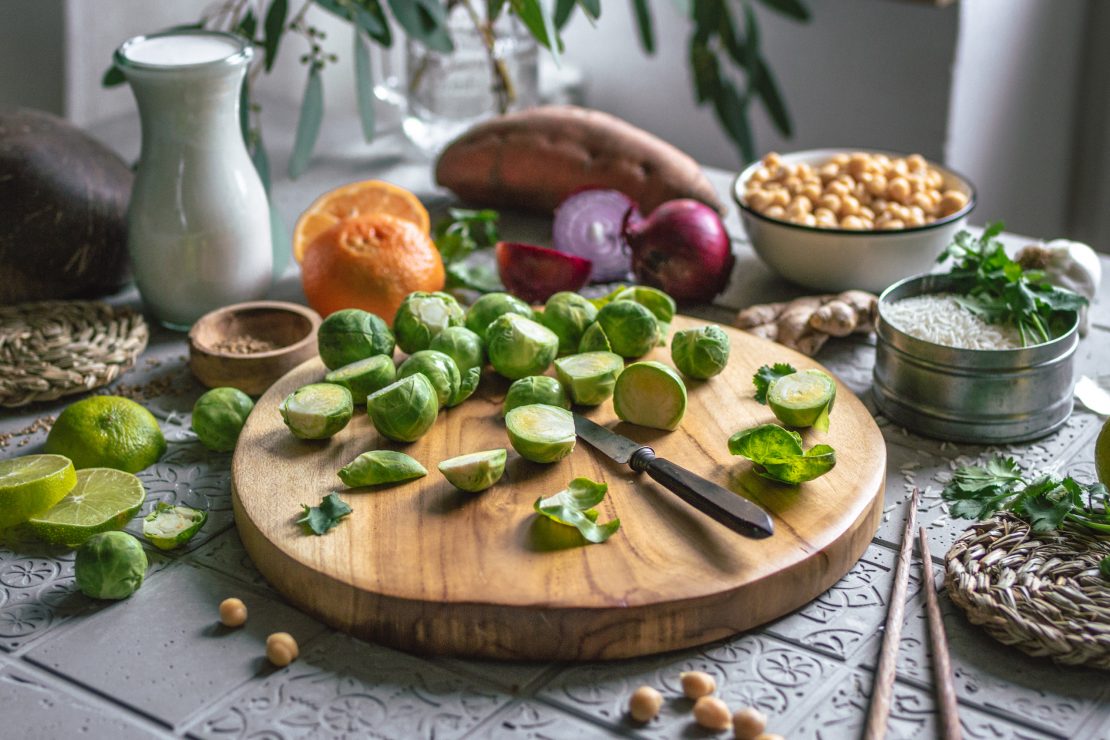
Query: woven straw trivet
1039,592
51,349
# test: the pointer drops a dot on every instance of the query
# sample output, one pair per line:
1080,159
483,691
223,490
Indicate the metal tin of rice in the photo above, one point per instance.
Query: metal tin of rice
962,394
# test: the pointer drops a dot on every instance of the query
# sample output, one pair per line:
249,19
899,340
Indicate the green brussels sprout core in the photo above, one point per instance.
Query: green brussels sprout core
492,305
378,467
650,394
700,353
364,377
801,399
476,471
519,347
219,416
594,340
541,433
438,368
631,328
405,410
535,389
568,314
353,334
318,410
422,316
589,377
461,345
110,565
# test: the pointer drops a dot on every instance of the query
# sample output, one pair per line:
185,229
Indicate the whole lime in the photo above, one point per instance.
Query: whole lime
219,416
107,432
1102,454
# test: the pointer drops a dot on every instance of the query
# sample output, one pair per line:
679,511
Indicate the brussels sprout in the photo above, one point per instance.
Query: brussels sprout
405,410
318,410
541,433
353,334
700,353
422,316
439,368
110,565
380,466
589,377
519,347
631,328
594,340
803,399
650,394
219,416
364,377
171,526
568,314
535,389
492,305
778,454
476,471
467,385
659,303
461,345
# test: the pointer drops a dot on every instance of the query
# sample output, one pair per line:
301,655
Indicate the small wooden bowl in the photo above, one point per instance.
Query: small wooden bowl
250,345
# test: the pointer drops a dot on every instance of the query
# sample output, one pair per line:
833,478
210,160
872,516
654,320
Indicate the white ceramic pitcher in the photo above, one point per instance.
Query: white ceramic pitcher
199,221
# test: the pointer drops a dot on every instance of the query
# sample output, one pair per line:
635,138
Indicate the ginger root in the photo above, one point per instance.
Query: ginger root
806,323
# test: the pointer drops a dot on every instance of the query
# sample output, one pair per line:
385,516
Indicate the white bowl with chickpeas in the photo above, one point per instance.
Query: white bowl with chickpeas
837,219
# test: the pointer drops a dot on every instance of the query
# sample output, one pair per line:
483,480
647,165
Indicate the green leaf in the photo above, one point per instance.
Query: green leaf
366,14
425,21
573,507
739,49
113,76
813,463
245,110
325,517
706,71
732,112
308,123
790,8
494,8
707,18
644,25
779,456
261,161
248,24
763,82
764,375
274,28
592,8
563,11
364,86
539,22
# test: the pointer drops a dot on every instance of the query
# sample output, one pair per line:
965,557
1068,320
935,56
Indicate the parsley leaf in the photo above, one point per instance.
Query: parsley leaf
573,507
765,375
326,516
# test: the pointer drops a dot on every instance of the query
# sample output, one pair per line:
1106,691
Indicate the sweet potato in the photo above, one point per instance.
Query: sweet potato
533,159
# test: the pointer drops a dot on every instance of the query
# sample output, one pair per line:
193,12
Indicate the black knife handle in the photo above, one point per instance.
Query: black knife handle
721,504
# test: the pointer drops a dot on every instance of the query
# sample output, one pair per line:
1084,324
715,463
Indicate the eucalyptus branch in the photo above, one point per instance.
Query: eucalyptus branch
503,86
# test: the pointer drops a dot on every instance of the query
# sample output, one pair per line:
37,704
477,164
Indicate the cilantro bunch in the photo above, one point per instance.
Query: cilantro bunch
1046,502
1002,292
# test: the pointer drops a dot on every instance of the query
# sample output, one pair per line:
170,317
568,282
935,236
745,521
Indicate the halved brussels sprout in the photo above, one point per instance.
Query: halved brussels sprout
171,526
353,334
439,368
364,377
535,389
378,467
422,316
461,345
492,305
700,353
519,347
650,394
541,433
803,399
476,471
219,416
318,410
568,314
653,299
405,410
589,377
594,340
631,328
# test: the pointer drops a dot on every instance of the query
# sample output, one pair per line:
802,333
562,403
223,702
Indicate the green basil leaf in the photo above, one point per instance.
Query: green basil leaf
644,25
308,123
274,28
364,86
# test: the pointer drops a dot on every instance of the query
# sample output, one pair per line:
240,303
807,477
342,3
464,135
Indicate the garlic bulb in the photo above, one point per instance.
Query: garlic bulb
1067,264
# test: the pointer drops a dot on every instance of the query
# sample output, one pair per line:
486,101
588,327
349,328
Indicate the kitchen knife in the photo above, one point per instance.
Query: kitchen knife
731,510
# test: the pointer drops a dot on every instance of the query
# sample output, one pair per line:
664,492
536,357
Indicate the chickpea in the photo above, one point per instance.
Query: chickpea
877,185
951,201
780,198
771,160
851,222
802,204
837,188
806,172
769,736
760,175
923,201
804,219
233,612
759,200
793,184
899,189
915,162
936,180
644,704
775,212
867,214
828,171
830,202
858,165
899,166
696,684
281,649
712,713
891,224
748,723
840,159
812,191
849,206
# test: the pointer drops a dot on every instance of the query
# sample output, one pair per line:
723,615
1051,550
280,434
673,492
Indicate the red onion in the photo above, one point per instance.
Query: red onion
534,273
588,223
681,248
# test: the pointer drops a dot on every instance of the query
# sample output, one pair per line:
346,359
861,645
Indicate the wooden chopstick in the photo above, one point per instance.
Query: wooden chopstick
938,639
883,689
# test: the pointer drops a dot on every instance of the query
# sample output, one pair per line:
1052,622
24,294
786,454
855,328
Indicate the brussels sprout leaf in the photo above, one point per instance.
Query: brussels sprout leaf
779,456
573,507
763,377
326,516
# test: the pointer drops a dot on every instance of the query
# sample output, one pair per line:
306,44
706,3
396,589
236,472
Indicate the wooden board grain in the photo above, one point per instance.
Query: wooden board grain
424,567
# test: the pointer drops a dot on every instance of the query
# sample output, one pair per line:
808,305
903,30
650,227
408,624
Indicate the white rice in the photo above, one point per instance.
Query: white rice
940,319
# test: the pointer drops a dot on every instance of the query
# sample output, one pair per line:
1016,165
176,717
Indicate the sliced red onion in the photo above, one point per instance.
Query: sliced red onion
589,224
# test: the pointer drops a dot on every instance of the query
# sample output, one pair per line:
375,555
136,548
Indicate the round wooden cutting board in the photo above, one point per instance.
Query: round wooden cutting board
424,567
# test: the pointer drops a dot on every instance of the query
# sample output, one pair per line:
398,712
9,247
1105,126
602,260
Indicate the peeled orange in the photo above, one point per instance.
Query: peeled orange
354,200
370,262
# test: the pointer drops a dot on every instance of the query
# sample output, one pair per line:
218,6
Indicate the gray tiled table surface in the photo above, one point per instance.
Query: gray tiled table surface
159,665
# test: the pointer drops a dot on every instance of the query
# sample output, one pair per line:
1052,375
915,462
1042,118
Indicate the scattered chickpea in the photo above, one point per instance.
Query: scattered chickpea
696,684
281,649
748,723
769,736
712,713
233,612
644,704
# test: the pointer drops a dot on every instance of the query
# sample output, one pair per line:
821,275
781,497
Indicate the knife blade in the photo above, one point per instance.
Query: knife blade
733,511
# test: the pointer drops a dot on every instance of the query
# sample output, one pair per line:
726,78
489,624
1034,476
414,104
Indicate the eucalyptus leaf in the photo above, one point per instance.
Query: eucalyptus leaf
113,76
425,21
366,14
573,507
732,111
790,8
273,27
644,25
539,22
364,86
247,25
563,11
706,71
763,82
245,111
592,8
308,123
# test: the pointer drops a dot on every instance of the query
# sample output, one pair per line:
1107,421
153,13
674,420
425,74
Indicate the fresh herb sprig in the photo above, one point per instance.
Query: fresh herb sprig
459,236
1046,502
325,517
766,375
1002,292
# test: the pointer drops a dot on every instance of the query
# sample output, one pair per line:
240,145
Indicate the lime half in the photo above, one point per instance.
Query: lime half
31,484
103,499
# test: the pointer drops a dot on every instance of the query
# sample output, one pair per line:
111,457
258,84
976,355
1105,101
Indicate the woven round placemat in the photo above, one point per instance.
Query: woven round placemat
51,349
1040,592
